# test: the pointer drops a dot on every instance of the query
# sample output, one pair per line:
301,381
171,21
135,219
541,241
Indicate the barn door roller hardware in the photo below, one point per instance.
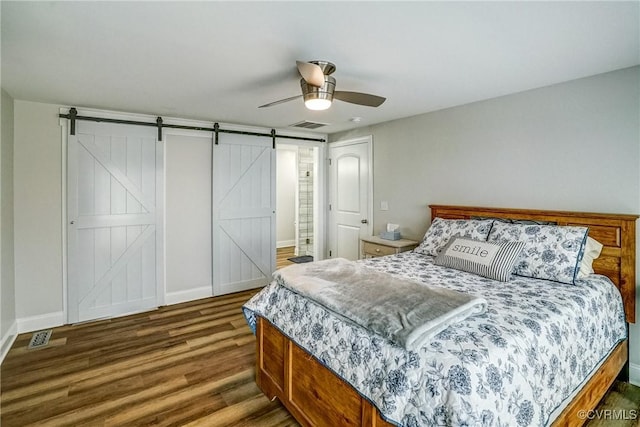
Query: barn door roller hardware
73,113
159,123
72,116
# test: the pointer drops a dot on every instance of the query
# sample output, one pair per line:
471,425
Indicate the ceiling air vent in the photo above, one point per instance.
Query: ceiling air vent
308,125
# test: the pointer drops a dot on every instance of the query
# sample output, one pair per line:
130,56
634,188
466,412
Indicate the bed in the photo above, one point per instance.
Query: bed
310,380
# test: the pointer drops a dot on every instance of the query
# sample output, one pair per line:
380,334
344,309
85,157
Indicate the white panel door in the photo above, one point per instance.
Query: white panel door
349,197
114,208
243,220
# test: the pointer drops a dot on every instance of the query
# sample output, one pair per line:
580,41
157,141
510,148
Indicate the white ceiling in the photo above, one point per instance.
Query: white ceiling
218,61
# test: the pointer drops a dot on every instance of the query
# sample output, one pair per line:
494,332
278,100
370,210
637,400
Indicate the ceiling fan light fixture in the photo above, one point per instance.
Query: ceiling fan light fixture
317,104
319,88
318,98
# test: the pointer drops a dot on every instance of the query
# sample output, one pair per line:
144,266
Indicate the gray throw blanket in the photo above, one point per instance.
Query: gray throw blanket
400,310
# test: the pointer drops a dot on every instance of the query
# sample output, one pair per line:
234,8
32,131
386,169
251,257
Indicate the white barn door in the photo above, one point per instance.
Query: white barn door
243,220
114,207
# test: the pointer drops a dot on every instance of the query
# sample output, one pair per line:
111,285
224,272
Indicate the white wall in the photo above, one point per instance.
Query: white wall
286,178
38,212
188,217
8,326
571,146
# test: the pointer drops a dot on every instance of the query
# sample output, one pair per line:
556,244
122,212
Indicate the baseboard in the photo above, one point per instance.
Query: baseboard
634,374
285,243
43,321
188,295
8,339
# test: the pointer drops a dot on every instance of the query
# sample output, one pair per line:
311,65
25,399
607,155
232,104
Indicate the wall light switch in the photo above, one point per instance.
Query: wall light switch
384,205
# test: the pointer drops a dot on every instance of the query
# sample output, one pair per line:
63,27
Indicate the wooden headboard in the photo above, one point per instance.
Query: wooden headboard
617,233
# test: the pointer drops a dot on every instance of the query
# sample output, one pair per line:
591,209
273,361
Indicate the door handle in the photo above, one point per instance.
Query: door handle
364,221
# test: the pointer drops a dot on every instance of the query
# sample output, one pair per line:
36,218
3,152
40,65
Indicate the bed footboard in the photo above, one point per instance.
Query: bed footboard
315,396
312,393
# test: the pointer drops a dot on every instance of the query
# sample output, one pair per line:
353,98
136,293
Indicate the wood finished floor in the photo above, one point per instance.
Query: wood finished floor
186,364
283,254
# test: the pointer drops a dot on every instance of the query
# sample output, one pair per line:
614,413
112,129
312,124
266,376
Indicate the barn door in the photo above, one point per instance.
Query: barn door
114,191
243,221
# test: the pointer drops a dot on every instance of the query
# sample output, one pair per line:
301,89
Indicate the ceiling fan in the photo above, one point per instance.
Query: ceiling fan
318,88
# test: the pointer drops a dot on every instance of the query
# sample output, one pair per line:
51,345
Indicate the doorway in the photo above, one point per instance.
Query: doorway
297,203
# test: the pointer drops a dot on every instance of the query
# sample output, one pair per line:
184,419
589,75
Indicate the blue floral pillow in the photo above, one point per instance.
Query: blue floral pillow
442,230
550,252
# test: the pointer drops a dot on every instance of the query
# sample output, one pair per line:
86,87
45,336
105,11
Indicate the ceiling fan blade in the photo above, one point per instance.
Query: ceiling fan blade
359,98
311,73
271,104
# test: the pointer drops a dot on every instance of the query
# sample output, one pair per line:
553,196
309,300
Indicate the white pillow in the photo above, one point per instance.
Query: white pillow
493,260
591,252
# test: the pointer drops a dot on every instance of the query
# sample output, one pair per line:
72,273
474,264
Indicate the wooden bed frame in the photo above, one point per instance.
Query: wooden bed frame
315,396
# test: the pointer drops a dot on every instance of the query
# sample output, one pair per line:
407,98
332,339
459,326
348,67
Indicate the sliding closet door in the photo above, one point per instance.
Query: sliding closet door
114,207
243,220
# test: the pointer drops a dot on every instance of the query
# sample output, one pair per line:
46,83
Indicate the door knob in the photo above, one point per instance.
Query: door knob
364,221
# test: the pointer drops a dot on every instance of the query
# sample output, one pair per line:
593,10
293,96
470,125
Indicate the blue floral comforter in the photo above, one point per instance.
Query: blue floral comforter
511,366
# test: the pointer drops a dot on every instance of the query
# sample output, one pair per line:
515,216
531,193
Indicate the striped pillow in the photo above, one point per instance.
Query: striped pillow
492,260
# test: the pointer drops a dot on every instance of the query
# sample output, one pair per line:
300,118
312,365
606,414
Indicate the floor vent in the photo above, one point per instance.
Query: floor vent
308,125
40,339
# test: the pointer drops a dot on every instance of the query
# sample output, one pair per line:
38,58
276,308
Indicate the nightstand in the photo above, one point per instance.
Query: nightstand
375,246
